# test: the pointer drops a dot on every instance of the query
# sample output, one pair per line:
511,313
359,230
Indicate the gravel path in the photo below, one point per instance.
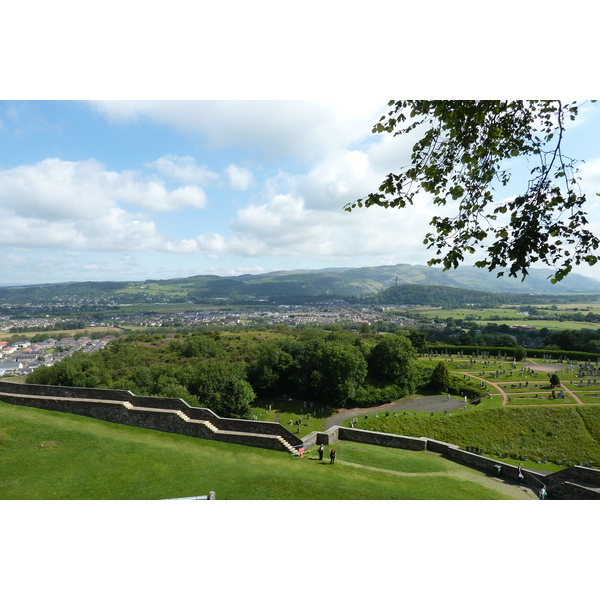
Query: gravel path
426,404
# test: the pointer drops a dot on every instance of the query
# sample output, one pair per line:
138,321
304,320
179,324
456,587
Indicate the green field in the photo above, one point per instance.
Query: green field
49,455
512,316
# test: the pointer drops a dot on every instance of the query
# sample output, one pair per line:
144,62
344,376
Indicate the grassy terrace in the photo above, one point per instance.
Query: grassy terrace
553,433
50,455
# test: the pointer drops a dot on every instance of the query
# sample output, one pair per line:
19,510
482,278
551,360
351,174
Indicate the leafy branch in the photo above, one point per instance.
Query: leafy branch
460,158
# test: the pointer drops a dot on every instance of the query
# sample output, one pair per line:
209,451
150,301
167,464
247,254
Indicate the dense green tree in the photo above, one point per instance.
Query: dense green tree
554,380
392,361
465,339
520,353
440,377
221,386
202,345
504,340
270,372
418,339
461,155
337,371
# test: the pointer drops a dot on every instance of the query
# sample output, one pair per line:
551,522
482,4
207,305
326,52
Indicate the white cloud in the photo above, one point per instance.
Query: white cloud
340,178
76,205
184,169
304,130
239,178
590,177
54,189
286,227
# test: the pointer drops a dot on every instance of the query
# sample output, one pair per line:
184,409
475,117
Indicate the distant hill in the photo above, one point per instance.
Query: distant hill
301,285
370,280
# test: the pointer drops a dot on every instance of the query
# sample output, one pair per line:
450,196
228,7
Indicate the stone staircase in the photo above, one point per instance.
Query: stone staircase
111,405
288,447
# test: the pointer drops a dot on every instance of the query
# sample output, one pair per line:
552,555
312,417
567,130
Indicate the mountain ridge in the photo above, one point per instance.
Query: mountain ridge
375,279
331,281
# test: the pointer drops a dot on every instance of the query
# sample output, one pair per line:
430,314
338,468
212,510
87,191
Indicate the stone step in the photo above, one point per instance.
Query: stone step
289,447
129,406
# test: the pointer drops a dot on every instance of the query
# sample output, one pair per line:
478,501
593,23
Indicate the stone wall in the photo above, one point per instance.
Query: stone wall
162,414
565,484
381,439
573,491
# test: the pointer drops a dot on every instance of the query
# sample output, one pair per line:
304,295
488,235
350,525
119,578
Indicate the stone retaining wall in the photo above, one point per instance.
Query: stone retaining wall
162,414
565,484
148,412
381,439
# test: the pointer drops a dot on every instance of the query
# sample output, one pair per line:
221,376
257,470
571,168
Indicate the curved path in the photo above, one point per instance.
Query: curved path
504,395
518,492
428,403
441,403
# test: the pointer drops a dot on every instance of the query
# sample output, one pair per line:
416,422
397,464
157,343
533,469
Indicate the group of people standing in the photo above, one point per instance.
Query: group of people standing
332,454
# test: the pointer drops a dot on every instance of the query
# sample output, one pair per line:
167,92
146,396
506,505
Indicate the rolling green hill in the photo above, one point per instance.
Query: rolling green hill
301,285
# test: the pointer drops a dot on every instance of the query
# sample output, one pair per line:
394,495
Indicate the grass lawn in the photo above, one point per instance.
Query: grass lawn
50,455
541,399
593,398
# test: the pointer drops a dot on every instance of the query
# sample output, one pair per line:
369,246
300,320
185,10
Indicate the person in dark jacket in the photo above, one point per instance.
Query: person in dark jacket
332,456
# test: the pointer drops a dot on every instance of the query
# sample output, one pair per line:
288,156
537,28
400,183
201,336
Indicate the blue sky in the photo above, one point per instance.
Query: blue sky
122,190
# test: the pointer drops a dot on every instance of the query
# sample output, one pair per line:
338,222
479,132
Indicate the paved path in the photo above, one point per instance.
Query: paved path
426,404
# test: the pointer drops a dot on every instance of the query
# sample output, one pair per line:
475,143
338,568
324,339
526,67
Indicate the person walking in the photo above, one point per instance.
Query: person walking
543,493
332,456
321,452
520,474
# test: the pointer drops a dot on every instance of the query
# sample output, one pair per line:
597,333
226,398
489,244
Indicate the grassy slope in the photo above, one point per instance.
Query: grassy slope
48,455
555,432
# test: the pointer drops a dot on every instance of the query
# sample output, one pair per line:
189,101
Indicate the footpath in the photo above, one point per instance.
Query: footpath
426,404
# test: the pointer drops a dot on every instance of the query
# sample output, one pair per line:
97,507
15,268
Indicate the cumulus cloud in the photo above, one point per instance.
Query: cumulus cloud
187,170
184,169
239,178
304,130
301,215
77,205
340,178
55,189
286,226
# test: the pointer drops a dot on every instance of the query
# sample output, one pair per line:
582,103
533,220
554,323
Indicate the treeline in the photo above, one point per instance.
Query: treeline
207,369
468,333
446,297
36,293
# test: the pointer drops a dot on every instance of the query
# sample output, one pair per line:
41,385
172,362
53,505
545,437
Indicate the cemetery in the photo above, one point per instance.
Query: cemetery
528,383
